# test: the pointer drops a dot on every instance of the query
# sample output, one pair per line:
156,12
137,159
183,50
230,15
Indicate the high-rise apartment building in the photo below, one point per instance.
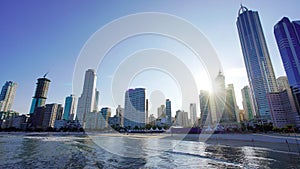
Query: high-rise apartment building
7,96
231,111
161,112
205,108
70,108
96,103
282,105
40,96
45,116
134,111
50,114
87,100
182,118
59,113
104,115
168,112
147,111
218,97
287,35
283,84
248,103
193,114
257,60
120,115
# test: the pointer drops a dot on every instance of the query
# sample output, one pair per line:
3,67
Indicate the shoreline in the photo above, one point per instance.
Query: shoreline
278,143
273,142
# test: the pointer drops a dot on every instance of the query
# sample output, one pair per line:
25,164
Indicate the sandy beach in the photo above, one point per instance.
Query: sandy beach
276,142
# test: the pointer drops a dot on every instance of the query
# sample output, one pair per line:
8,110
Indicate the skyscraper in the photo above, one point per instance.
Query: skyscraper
97,95
287,35
257,60
134,111
7,95
248,103
218,98
50,114
59,112
231,111
182,118
40,96
70,108
104,114
44,116
205,108
147,112
161,112
282,104
120,115
168,112
193,114
86,102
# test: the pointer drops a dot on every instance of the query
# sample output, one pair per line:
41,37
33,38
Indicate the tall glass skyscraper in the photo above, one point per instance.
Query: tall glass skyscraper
40,96
86,102
257,60
248,103
287,35
218,98
70,108
7,95
193,114
134,111
168,112
231,111
104,114
205,108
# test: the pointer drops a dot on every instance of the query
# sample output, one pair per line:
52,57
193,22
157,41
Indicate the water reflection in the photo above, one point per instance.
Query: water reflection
230,154
133,152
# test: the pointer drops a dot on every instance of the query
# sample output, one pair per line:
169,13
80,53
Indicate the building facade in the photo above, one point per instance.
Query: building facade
134,111
205,117
248,104
7,95
45,116
50,115
231,111
161,112
283,106
40,96
217,98
120,115
182,118
87,100
287,36
257,60
105,114
193,114
168,112
70,108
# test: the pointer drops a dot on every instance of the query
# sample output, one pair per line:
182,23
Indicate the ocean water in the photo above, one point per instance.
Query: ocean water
102,151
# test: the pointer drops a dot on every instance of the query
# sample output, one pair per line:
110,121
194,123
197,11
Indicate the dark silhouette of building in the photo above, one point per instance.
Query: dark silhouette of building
40,96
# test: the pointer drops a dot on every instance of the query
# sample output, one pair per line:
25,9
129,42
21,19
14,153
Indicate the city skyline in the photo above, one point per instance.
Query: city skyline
61,75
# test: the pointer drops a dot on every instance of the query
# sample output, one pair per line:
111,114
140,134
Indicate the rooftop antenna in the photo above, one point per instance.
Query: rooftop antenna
242,9
45,74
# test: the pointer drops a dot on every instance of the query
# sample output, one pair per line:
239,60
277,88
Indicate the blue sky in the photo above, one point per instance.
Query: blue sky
46,36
